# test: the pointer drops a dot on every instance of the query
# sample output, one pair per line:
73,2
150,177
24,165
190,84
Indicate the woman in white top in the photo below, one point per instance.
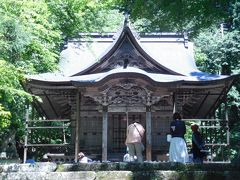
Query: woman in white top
178,149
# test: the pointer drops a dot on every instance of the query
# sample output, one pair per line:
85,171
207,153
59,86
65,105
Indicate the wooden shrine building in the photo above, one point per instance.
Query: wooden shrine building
107,81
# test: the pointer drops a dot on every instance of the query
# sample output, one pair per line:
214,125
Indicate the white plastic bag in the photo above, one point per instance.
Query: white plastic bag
169,137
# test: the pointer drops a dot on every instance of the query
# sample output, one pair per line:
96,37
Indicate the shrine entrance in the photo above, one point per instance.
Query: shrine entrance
117,128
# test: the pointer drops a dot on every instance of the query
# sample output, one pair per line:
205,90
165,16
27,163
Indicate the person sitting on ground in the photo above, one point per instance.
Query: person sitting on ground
46,158
83,159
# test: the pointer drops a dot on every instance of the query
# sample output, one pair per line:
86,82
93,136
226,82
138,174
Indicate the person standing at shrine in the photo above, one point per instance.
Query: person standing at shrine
178,149
20,149
135,132
197,145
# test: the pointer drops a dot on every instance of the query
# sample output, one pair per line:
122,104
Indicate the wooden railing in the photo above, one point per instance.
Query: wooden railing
216,135
42,124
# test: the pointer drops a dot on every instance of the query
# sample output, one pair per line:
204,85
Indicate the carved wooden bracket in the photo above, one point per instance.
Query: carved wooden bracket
127,94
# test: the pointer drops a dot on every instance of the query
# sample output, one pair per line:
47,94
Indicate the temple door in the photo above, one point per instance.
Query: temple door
118,123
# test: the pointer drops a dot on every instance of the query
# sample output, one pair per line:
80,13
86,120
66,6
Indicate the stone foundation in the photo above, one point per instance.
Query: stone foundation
119,171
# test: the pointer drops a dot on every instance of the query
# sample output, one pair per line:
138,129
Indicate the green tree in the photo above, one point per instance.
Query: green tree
31,33
235,8
30,39
171,15
12,97
29,43
218,51
74,16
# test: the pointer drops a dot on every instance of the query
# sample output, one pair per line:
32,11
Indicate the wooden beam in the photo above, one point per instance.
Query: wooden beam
200,94
44,145
104,133
70,93
220,120
51,105
47,127
201,104
50,87
78,99
37,104
51,120
223,93
148,134
216,144
129,109
227,121
211,127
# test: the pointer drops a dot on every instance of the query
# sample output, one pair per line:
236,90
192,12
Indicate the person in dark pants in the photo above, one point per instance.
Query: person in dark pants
135,132
20,149
178,148
197,145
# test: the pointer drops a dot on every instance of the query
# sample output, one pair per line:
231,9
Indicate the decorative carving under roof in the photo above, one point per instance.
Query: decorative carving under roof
127,59
127,94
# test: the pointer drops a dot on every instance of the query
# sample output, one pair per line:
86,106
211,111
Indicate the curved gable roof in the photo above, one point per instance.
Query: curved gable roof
165,53
126,49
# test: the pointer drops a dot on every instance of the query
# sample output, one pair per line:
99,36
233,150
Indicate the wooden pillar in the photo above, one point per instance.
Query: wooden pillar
227,123
148,133
227,126
26,135
104,133
78,100
174,103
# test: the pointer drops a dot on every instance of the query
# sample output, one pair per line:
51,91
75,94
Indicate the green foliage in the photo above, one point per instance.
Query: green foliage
74,16
236,15
235,142
14,39
29,39
29,43
4,116
12,97
219,52
220,55
207,54
171,15
111,20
